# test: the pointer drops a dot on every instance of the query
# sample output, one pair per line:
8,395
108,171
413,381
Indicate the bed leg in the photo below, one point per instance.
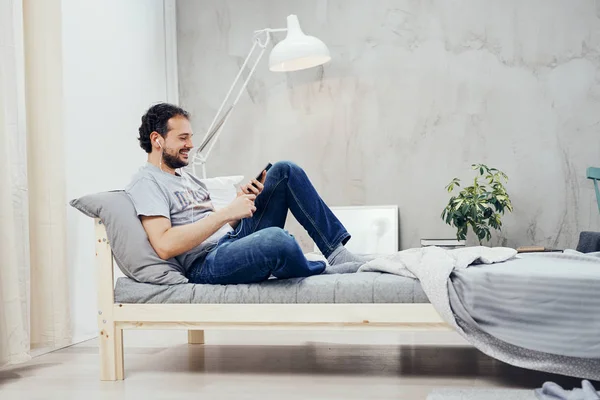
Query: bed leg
195,337
111,352
119,356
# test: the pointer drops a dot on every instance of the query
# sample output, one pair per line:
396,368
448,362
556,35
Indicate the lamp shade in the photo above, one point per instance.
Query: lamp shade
297,51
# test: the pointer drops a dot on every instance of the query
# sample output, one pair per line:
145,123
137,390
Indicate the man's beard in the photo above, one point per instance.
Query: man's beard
173,162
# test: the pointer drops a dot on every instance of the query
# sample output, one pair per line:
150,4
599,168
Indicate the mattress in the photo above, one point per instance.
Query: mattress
368,287
545,303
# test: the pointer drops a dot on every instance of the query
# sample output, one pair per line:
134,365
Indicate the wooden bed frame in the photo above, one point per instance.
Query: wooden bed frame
113,317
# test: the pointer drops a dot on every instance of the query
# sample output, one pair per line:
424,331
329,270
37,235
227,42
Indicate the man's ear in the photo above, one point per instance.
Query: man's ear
154,136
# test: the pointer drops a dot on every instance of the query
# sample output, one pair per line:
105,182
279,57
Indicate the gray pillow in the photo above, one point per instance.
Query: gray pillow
129,242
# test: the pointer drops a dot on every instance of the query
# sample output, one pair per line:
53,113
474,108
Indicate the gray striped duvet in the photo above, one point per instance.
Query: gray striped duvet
541,302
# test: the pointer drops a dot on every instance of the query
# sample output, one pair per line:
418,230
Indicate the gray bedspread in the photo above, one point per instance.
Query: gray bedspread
434,268
335,288
542,303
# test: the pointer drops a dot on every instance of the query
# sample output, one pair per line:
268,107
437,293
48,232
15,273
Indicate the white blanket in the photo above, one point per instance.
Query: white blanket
405,262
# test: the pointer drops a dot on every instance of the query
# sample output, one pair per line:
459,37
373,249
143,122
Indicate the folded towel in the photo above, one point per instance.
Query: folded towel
552,391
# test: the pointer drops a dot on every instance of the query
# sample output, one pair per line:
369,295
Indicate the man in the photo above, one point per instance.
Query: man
243,242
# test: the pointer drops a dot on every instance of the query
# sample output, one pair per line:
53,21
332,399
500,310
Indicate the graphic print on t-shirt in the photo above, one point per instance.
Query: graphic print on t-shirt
192,198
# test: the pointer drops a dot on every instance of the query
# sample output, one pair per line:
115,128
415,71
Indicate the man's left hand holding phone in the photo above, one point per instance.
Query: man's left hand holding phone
256,185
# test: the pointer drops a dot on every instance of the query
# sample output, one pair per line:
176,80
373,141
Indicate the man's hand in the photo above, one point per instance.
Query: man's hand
254,186
241,207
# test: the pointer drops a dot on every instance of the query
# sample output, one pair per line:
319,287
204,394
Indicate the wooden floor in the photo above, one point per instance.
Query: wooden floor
270,365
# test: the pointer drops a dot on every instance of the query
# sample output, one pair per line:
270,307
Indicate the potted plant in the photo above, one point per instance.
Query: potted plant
480,205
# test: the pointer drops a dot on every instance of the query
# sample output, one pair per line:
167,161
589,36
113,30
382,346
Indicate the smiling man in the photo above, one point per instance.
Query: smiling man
243,242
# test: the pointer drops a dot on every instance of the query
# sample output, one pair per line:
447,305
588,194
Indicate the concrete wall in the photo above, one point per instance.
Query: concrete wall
416,92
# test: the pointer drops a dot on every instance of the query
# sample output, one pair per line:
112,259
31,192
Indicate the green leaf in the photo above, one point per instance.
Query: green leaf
454,182
479,205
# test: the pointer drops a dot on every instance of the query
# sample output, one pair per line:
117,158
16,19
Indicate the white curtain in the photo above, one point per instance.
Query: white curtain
50,322
14,215
34,283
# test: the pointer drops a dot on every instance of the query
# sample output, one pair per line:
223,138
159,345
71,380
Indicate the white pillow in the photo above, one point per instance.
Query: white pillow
222,189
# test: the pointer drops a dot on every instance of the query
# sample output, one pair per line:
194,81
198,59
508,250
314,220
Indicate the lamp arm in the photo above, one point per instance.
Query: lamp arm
198,158
270,30
241,91
213,133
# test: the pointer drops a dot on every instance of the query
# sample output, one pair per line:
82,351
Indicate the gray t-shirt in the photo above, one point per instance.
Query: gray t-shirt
183,199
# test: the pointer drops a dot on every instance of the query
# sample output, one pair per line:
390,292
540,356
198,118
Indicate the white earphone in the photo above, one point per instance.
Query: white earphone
159,145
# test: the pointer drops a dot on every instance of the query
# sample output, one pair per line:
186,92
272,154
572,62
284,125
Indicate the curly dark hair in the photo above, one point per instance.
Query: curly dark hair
156,120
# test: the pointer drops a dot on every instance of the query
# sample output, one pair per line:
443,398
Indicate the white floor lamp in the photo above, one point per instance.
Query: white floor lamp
297,51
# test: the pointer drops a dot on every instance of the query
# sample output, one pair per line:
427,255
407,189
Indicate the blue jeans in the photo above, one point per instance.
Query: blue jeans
259,247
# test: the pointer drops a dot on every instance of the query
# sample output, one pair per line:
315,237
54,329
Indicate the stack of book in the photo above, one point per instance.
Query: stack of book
444,243
536,249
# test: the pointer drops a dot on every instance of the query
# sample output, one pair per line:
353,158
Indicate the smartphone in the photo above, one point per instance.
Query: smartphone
267,168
